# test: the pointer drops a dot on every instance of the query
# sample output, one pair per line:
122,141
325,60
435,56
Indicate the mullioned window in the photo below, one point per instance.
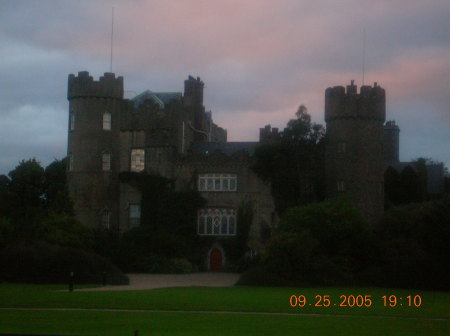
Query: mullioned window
217,222
217,182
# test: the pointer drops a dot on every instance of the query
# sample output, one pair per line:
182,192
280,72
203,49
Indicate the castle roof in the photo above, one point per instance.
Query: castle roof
160,98
227,148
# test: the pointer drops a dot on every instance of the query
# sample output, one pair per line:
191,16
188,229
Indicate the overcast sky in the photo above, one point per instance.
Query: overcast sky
259,60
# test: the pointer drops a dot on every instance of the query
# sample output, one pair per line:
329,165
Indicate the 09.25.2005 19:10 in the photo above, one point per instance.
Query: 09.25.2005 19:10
355,301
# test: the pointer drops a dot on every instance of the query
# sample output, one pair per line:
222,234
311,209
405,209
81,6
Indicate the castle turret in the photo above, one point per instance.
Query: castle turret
193,101
354,150
93,144
391,142
193,91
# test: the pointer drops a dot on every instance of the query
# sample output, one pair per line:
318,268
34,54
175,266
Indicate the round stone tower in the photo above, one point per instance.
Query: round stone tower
93,144
354,147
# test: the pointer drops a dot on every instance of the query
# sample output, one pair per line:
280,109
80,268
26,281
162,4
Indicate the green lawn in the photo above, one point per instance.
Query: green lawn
431,318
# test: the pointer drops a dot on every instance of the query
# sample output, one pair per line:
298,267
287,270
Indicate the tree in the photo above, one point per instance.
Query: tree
57,199
30,194
294,165
166,229
302,130
24,194
26,184
415,245
326,243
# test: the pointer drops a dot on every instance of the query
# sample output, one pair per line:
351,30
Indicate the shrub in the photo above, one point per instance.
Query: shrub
43,263
64,230
415,246
324,243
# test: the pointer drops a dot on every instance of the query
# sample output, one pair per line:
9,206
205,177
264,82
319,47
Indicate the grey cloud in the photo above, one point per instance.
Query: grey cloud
258,64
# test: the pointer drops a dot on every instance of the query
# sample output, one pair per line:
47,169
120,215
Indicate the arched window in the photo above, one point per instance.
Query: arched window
107,121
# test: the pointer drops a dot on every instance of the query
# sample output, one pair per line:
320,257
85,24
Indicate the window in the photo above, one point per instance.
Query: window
71,120
106,162
341,147
70,162
217,222
106,219
137,160
135,214
217,182
340,186
107,121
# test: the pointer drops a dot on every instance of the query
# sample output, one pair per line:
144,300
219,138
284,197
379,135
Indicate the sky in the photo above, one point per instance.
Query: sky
259,59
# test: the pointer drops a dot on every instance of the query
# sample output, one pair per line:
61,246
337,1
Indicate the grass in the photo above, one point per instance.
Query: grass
334,320
113,323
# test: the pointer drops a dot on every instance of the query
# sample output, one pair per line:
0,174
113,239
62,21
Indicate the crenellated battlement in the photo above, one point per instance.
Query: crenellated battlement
83,85
391,125
193,91
347,103
268,134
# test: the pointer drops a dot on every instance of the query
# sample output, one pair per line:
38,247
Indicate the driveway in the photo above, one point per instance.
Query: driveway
152,281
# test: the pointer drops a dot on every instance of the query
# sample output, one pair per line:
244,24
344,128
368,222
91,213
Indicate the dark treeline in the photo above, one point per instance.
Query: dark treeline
321,242
40,239
317,242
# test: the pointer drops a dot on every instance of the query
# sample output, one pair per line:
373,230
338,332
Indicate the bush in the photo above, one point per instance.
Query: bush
415,245
64,230
43,263
324,243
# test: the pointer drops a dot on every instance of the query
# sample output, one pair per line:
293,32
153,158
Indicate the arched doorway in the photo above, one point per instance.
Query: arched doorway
215,260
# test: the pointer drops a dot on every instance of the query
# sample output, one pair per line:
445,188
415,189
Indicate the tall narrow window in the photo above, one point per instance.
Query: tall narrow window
106,219
70,162
137,160
107,121
340,185
71,120
135,214
341,147
106,162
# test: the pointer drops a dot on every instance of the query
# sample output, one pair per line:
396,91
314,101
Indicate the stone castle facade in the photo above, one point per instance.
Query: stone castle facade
172,134
164,133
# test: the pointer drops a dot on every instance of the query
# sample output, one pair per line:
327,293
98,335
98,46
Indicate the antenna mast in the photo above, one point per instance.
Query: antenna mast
364,55
112,35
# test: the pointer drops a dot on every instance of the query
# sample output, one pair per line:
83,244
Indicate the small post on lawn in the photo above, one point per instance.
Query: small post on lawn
136,333
71,282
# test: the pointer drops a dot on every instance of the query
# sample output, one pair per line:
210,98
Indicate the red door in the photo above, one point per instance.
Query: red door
215,260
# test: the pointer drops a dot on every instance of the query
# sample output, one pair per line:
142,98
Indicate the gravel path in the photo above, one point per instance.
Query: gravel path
152,281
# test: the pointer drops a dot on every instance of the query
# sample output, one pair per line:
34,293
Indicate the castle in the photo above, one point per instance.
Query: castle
171,134
164,133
